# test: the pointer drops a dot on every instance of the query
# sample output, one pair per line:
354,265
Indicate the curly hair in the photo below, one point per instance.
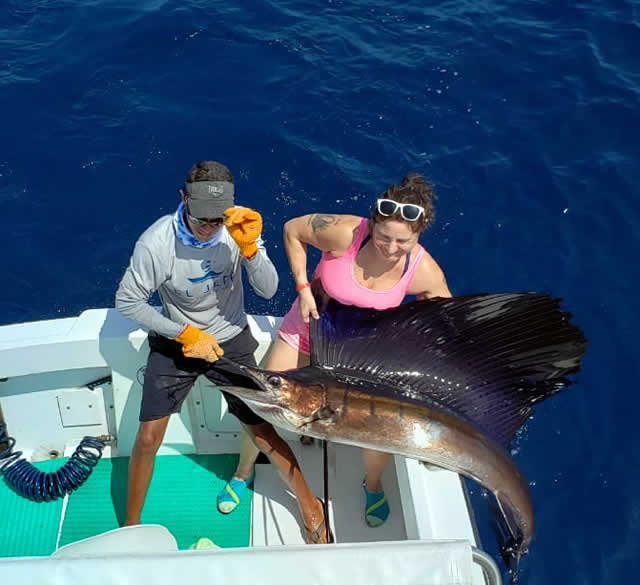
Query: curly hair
412,189
209,170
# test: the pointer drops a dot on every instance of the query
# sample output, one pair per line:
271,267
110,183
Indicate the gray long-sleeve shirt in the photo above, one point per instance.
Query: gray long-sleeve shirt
197,286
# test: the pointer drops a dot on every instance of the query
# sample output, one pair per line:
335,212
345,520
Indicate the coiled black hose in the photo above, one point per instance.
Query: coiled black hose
32,483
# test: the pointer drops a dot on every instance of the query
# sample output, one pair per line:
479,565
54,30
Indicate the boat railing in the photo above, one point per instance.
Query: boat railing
488,565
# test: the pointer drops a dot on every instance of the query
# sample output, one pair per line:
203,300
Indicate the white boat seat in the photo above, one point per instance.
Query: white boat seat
144,538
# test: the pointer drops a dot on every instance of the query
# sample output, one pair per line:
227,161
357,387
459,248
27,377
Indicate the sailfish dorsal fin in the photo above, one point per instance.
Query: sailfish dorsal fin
487,358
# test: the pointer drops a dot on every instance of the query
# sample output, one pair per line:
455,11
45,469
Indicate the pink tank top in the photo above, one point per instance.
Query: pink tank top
338,280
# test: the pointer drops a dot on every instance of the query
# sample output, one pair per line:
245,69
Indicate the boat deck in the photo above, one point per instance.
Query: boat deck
179,498
182,497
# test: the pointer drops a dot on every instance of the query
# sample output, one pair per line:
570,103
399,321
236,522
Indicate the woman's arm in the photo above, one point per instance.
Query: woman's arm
328,233
429,280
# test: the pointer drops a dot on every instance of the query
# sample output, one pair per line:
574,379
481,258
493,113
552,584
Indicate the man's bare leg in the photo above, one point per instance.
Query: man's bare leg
143,455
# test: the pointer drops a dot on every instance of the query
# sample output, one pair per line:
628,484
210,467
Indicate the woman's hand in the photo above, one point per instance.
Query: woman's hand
307,305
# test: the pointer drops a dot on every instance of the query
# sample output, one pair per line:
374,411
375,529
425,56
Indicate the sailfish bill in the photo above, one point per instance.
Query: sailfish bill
447,381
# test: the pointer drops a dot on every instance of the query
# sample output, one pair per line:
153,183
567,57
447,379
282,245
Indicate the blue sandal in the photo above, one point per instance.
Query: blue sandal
229,496
376,509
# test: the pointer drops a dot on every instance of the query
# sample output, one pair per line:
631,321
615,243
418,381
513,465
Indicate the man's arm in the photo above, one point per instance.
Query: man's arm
262,274
141,279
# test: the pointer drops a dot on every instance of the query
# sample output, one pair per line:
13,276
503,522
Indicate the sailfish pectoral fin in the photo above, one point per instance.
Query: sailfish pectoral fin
323,413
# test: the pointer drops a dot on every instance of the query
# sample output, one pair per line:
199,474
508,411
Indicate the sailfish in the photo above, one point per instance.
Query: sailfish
447,381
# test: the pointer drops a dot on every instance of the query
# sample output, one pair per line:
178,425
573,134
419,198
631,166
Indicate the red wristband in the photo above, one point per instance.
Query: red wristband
303,285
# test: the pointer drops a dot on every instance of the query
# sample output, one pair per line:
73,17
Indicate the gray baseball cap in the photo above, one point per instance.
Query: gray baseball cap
209,198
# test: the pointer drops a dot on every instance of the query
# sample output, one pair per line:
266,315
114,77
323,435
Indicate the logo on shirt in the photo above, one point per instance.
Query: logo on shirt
209,273
219,280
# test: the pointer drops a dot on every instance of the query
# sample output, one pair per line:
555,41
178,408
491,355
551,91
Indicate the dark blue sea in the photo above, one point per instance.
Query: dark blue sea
524,114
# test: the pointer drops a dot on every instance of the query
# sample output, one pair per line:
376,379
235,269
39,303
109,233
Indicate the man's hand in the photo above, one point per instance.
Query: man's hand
198,344
244,225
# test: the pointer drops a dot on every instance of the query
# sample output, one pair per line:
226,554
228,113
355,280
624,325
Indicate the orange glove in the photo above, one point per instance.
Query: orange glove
198,344
244,225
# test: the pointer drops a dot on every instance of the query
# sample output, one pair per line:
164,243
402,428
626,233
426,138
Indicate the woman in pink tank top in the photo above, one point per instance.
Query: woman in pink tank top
371,263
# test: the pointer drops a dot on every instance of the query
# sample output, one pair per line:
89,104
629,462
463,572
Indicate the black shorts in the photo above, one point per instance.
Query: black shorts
170,375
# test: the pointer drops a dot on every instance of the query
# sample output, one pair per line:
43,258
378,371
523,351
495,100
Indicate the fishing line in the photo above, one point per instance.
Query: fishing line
325,504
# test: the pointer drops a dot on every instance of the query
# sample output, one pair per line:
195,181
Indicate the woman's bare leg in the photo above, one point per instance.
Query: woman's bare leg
264,437
375,462
248,455
281,357
283,459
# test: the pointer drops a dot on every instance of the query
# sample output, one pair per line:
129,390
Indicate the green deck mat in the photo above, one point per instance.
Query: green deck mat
29,528
182,497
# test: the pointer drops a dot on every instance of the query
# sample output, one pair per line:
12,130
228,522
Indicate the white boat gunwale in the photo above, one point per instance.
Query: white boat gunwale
46,364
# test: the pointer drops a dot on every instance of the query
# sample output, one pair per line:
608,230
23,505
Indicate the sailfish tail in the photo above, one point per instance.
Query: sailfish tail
509,536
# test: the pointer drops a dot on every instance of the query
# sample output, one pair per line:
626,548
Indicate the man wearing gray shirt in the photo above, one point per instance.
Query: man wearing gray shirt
194,259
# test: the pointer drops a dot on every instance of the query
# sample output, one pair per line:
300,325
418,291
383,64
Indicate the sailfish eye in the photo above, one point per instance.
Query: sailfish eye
274,380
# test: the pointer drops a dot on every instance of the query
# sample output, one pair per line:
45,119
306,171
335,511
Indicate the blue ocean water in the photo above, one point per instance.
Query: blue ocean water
525,115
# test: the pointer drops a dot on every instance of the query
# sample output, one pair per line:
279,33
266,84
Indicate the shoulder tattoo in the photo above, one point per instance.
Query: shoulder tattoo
321,221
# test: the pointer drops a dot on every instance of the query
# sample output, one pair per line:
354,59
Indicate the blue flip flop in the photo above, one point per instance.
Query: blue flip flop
376,509
229,496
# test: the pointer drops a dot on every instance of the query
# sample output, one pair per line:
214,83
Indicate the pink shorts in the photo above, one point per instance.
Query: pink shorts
294,331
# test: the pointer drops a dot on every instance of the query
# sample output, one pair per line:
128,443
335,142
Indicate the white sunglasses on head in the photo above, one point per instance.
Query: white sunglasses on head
408,211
